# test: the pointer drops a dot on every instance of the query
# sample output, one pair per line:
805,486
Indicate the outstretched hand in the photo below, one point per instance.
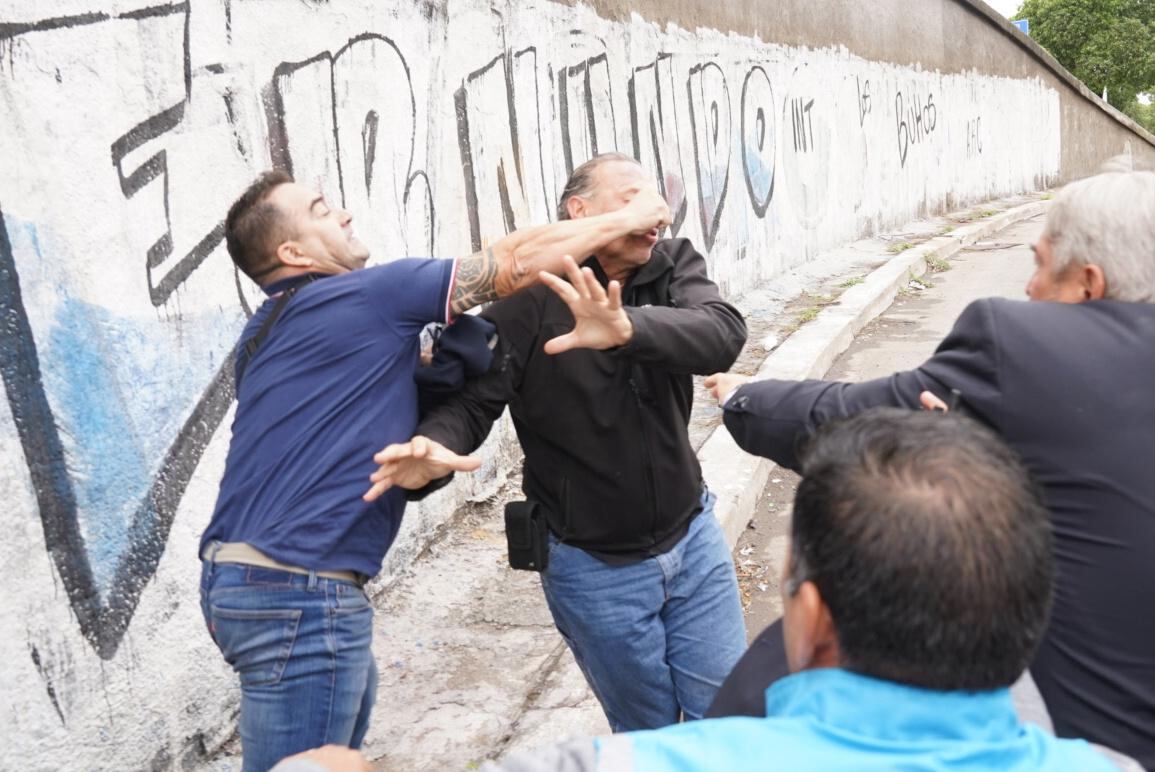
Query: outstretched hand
599,320
720,385
414,464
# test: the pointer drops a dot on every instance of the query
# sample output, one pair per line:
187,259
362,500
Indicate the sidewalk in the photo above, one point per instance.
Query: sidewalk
470,664
902,337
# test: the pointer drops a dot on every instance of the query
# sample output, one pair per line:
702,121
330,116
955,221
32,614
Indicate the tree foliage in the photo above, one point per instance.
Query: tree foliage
1107,44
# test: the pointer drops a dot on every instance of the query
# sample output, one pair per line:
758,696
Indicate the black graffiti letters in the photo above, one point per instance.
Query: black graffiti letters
654,127
326,131
710,119
863,99
500,146
974,138
585,107
803,124
758,139
917,119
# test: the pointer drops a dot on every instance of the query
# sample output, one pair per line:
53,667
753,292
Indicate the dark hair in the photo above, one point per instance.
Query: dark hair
254,227
929,544
581,181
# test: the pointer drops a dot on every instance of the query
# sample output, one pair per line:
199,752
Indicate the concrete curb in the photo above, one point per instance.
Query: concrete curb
736,477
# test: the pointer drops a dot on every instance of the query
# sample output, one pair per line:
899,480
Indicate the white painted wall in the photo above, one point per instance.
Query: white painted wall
126,130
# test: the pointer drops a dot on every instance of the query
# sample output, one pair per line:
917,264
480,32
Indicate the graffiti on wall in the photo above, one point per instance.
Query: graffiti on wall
78,463
105,517
120,305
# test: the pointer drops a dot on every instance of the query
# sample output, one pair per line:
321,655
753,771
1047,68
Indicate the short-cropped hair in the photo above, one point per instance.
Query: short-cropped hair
929,544
255,227
1108,220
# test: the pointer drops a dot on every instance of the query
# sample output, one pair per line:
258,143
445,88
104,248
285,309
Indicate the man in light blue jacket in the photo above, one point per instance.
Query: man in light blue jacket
918,585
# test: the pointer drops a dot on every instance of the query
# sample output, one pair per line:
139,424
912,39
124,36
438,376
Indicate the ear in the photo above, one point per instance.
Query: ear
290,253
575,206
815,641
807,628
1094,282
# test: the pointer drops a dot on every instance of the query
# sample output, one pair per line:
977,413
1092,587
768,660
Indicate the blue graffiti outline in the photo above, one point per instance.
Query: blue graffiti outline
102,620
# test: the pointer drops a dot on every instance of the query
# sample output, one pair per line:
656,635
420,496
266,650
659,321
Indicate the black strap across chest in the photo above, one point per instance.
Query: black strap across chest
252,345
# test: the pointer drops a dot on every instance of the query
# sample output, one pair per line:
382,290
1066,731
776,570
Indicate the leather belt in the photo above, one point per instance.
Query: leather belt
248,555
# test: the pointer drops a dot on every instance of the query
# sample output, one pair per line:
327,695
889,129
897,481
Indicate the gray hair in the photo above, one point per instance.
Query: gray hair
581,181
1124,162
1108,220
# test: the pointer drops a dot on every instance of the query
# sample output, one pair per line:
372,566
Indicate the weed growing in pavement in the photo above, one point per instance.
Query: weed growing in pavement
918,282
901,246
854,282
805,316
808,315
936,264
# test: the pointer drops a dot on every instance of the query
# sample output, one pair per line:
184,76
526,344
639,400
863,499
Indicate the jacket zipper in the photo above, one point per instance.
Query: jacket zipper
649,459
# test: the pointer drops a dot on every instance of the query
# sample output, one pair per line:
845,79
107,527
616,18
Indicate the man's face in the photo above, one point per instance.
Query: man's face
616,183
1045,284
322,232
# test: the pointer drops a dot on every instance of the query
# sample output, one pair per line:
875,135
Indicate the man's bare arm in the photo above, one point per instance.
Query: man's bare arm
476,281
514,262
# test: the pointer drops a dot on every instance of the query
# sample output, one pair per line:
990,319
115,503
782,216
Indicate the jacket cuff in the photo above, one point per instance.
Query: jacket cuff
640,338
431,487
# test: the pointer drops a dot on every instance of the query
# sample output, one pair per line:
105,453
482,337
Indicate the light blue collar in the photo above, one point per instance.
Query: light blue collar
888,710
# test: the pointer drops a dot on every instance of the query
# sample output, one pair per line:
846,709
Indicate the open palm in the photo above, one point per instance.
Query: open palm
599,320
415,464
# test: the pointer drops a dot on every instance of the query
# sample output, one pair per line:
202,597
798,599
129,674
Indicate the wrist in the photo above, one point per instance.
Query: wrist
625,330
620,223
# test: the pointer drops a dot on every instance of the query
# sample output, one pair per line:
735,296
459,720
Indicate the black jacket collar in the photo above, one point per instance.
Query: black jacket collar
658,264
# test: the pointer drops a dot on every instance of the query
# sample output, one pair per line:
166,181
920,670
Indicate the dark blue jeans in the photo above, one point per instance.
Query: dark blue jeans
301,646
655,639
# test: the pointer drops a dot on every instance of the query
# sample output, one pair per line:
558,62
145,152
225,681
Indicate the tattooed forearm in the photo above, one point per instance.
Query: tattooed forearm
476,281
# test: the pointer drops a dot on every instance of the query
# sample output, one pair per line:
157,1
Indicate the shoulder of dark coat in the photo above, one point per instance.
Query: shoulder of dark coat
676,249
527,301
1047,317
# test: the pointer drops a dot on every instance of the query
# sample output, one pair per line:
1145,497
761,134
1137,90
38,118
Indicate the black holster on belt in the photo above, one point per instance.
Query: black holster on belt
527,533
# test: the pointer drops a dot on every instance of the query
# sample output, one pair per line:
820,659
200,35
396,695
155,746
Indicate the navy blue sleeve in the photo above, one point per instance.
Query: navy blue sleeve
775,419
411,292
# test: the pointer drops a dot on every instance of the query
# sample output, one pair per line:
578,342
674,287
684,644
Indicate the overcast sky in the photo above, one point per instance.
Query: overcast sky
1005,7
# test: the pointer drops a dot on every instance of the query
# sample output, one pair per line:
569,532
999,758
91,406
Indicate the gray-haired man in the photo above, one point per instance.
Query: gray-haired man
596,373
1067,381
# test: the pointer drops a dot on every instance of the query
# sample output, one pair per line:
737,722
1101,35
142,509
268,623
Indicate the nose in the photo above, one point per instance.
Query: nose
346,218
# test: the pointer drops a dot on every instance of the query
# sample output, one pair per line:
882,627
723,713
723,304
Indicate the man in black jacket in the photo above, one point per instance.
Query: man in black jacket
597,376
1067,381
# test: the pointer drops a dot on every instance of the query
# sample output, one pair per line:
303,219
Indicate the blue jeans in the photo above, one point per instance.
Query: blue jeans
657,638
301,646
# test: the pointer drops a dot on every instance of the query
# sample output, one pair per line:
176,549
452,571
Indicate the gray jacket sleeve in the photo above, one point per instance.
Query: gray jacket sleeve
606,754
775,419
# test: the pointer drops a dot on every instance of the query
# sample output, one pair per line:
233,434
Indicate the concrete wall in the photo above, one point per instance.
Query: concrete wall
127,128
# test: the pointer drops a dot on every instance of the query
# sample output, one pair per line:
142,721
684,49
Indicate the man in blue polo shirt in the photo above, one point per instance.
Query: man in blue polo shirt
324,375
918,584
